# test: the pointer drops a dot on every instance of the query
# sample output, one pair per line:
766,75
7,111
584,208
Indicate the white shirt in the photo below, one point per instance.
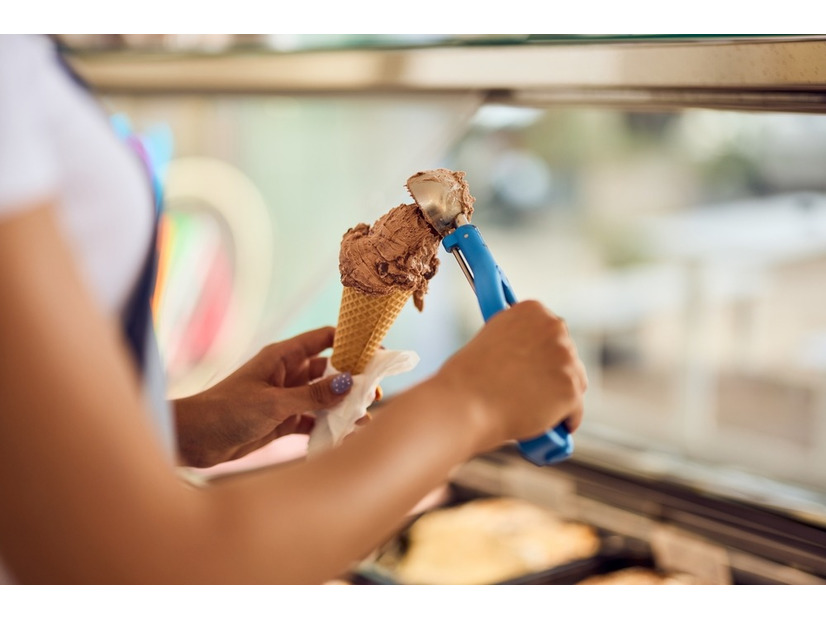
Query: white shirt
56,144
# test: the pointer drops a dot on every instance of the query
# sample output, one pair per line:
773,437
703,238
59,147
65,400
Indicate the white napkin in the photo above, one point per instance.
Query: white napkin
333,425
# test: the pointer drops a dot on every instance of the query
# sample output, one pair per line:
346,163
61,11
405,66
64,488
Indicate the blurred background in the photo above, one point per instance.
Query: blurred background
686,248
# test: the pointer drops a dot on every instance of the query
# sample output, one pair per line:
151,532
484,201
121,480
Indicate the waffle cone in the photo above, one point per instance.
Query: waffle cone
363,322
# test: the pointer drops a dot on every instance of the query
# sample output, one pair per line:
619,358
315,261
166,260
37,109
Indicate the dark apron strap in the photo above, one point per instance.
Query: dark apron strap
137,316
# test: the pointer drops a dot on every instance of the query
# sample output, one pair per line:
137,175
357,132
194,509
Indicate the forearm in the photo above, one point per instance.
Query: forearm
346,501
300,523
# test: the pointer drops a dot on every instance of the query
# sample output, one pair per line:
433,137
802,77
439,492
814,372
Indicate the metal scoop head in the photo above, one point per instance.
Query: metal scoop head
440,201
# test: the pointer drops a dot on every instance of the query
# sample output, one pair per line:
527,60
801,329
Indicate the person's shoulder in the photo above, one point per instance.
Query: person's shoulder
24,60
23,49
24,43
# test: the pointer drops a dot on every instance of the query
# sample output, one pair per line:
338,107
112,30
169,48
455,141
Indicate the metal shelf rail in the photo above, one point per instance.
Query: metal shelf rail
777,74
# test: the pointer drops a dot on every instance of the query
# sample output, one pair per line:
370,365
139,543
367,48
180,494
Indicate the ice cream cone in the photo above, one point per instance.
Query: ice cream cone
363,322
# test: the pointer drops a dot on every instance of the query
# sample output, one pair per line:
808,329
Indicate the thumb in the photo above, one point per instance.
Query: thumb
320,394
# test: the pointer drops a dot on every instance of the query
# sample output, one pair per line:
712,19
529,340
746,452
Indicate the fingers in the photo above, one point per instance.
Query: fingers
301,424
575,367
316,368
308,344
565,359
285,363
302,373
314,342
574,421
578,378
582,375
563,335
321,394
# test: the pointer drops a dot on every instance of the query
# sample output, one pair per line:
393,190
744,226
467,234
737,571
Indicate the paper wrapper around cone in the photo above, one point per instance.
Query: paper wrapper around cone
363,322
334,424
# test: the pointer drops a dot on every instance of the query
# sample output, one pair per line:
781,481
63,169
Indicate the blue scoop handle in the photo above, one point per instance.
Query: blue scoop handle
494,293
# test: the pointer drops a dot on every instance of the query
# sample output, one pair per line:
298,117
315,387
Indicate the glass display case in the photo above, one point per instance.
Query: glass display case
665,195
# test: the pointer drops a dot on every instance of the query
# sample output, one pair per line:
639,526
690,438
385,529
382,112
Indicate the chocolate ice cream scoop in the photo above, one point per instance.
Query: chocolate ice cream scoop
398,252
443,196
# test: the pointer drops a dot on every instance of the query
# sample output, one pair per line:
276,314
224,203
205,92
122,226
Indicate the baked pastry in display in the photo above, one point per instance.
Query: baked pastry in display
638,576
490,540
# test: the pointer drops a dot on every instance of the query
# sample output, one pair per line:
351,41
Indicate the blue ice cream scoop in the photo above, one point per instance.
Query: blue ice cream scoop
439,195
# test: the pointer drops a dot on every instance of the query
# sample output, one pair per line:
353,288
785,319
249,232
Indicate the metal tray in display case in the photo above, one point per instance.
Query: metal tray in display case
614,553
